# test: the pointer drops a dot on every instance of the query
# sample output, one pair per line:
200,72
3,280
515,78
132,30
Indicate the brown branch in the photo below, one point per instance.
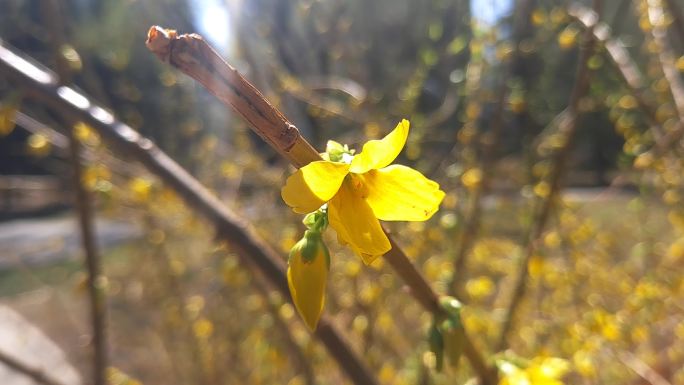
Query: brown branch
35,374
52,16
98,307
617,53
567,127
254,252
194,57
35,127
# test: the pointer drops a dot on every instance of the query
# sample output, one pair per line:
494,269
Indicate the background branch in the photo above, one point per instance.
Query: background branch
631,76
567,127
35,374
98,309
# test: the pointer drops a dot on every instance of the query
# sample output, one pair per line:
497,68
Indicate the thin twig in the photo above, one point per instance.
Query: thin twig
299,356
641,368
173,287
253,251
35,374
631,76
678,19
657,16
193,55
567,127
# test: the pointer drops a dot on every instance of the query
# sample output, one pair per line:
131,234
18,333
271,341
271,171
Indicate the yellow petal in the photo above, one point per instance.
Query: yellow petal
400,193
312,185
355,224
380,153
307,282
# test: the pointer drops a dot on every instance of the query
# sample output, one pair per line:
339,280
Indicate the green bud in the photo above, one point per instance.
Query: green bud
451,329
436,342
316,221
336,151
451,306
454,340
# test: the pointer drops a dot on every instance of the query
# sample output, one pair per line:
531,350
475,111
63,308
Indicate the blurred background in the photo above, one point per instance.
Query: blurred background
586,210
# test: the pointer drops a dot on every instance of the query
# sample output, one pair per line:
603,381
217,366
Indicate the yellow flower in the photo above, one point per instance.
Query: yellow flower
361,189
307,275
541,371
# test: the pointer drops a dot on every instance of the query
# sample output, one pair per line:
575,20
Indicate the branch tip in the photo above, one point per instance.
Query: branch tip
159,41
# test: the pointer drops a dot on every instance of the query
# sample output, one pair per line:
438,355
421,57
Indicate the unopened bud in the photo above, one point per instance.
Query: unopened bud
307,276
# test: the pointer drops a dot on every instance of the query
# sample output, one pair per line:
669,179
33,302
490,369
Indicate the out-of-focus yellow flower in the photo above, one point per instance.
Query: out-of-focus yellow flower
628,102
478,288
117,377
307,276
203,328
7,115
536,266
552,239
362,189
584,363
643,161
517,103
541,371
38,145
680,64
558,15
140,189
472,178
542,189
86,134
538,17
567,38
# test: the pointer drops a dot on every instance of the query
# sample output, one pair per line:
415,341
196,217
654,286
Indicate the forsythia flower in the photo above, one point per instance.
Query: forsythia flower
541,371
307,275
361,189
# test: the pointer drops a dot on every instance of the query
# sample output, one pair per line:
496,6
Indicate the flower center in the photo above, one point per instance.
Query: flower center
358,184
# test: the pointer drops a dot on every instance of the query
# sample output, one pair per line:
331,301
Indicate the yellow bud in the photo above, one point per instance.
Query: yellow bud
307,276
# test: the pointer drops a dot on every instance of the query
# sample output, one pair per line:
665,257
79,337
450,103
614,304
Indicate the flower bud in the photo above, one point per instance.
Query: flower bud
307,276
